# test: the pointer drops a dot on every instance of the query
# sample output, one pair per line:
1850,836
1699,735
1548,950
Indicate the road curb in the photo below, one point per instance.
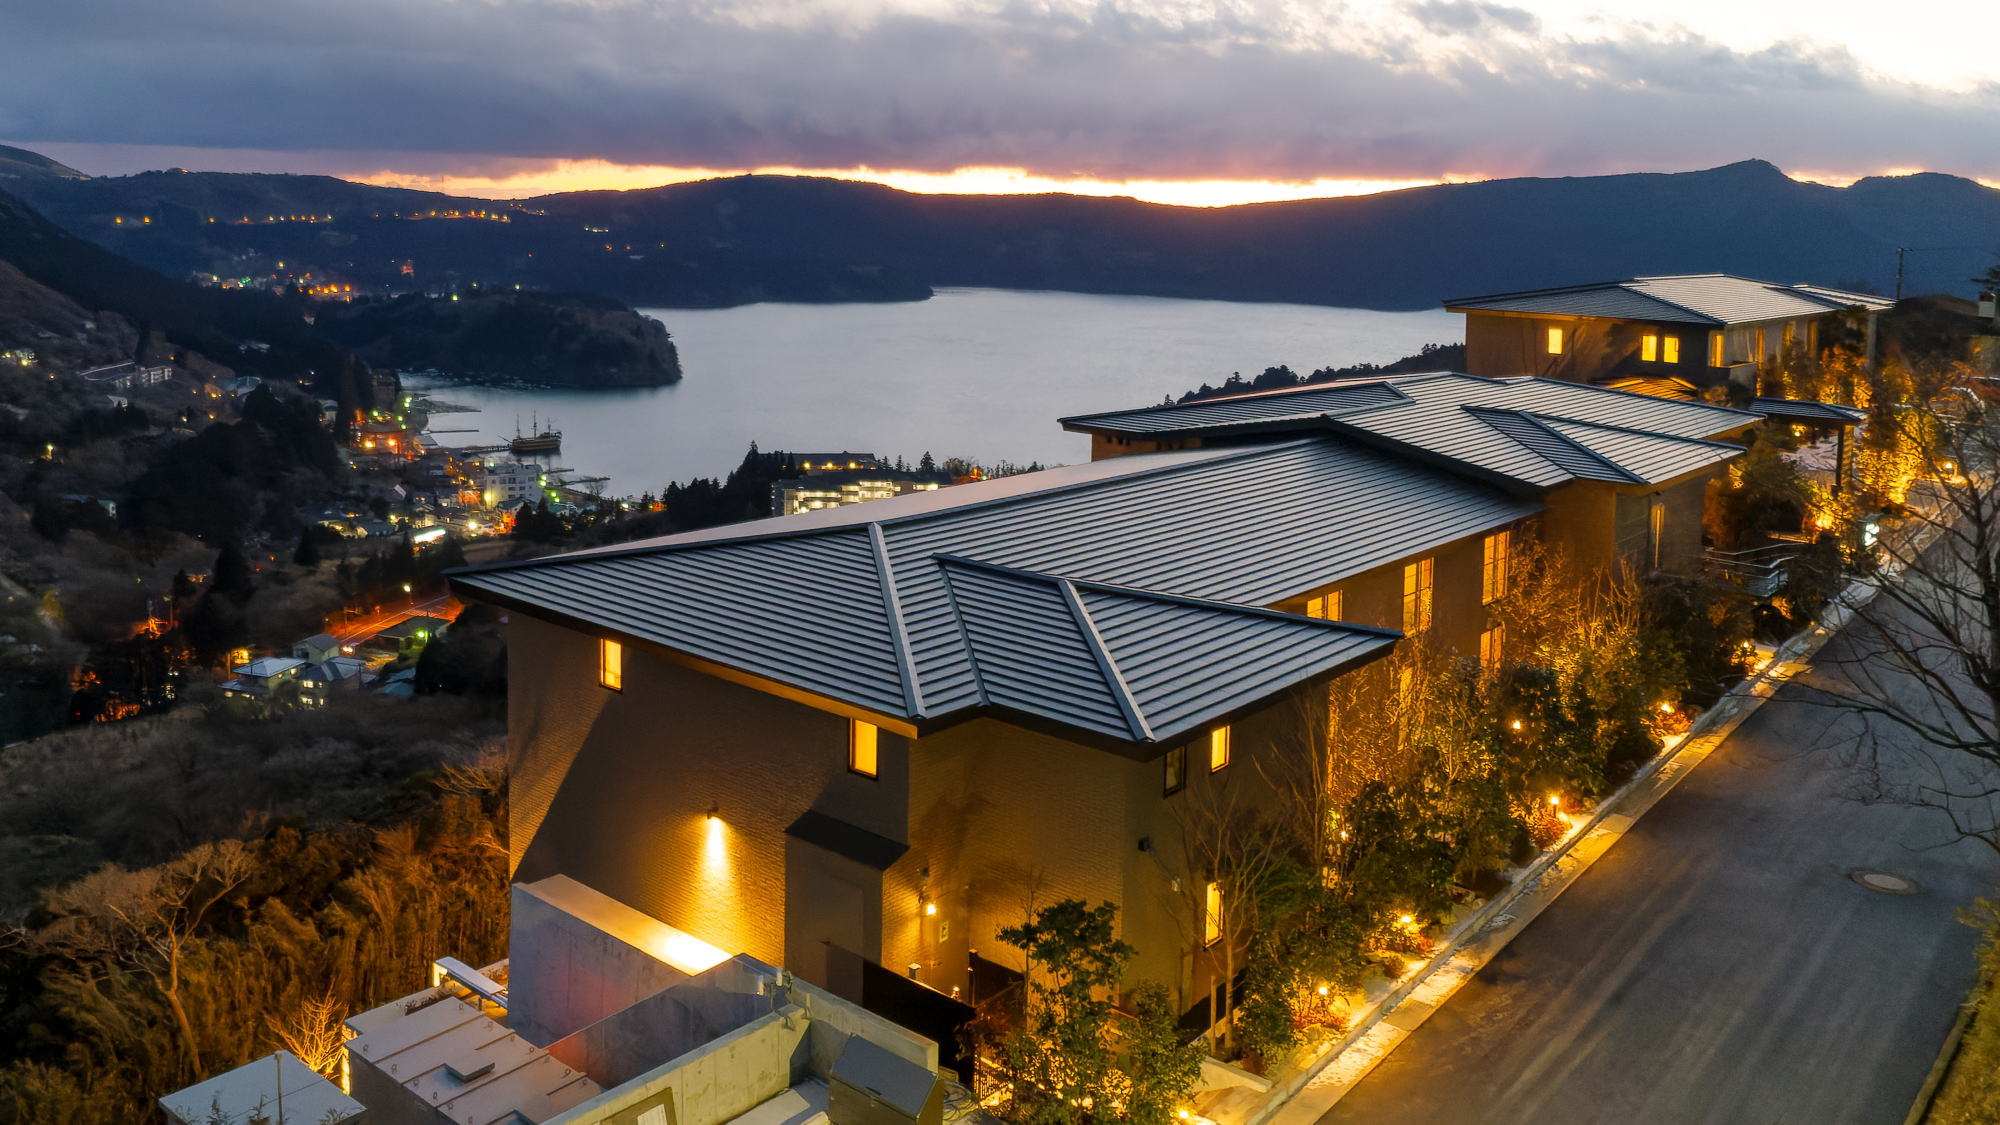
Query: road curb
1947,1054
1304,1097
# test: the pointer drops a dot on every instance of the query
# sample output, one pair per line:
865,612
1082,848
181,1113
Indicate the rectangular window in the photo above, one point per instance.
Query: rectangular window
1555,341
1211,913
1649,347
1493,551
1417,581
862,755
1218,748
1325,607
1670,349
1491,642
1657,526
611,664
1174,770
1715,349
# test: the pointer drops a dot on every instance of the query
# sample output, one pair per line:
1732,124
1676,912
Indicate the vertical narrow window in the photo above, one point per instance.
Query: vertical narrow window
1555,341
1316,607
1174,770
1760,343
1491,644
1657,519
1715,349
1670,349
1211,913
1336,605
1218,748
1649,347
1493,552
1417,578
861,748
611,664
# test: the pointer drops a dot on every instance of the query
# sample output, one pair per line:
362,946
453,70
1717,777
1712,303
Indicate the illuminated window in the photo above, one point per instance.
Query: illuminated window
1715,349
1211,914
1555,341
1316,607
1417,582
1670,349
611,664
1174,770
1649,347
861,748
1326,607
1657,519
1493,575
1491,642
1218,748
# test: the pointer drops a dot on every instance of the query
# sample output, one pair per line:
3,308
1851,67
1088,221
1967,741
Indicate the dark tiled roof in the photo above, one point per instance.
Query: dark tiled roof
1806,410
1467,422
887,606
1699,298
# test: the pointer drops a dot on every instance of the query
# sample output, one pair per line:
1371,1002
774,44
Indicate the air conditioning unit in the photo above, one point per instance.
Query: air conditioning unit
870,1086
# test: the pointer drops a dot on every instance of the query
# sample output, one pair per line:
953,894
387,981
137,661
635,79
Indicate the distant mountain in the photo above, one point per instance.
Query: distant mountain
20,164
752,238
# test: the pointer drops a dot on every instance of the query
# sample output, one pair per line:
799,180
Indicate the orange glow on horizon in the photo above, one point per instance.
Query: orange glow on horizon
603,175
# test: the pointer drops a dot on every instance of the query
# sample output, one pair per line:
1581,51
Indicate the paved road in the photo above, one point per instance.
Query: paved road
1717,965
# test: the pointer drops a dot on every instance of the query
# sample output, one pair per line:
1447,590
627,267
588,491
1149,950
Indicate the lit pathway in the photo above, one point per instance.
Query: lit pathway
1717,965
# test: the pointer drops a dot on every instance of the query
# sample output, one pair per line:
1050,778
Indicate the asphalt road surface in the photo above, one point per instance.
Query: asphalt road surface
1718,964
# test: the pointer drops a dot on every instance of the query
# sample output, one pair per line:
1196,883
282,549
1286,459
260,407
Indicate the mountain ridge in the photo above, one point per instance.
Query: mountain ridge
737,239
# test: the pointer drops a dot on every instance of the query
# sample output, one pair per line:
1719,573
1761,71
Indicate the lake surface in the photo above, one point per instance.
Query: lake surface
975,373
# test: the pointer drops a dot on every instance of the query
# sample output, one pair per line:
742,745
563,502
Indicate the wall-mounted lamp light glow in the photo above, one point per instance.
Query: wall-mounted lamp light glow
930,909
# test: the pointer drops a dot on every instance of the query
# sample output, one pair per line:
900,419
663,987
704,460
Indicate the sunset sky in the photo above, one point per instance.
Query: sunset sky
1176,100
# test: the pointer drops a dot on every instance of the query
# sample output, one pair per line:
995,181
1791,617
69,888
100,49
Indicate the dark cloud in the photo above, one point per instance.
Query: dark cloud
1465,16
1113,90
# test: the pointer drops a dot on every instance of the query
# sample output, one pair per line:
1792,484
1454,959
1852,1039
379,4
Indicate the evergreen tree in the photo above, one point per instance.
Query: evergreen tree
307,552
1161,1061
231,578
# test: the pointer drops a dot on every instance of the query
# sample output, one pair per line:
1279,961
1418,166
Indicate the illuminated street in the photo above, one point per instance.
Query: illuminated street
352,632
1719,964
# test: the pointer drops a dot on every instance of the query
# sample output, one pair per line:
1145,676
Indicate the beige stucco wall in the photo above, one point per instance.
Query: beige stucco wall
613,788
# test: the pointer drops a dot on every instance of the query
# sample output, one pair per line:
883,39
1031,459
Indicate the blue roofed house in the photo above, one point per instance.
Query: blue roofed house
860,741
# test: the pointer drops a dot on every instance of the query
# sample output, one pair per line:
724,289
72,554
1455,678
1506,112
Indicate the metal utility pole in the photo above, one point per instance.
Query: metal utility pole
1900,251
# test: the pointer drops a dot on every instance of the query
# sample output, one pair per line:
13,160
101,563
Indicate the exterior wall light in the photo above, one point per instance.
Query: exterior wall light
930,909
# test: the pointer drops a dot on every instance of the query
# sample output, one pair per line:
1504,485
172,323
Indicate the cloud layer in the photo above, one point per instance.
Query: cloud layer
1122,89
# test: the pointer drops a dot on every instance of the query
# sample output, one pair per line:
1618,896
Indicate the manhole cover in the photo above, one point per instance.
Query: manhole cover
1884,882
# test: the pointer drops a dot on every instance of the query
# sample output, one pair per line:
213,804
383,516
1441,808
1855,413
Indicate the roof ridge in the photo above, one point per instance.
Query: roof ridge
964,638
1155,595
1480,413
899,639
1546,418
1709,318
643,548
1106,666
1273,392
1636,394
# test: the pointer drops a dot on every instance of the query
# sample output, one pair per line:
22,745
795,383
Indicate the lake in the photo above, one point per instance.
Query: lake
975,373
